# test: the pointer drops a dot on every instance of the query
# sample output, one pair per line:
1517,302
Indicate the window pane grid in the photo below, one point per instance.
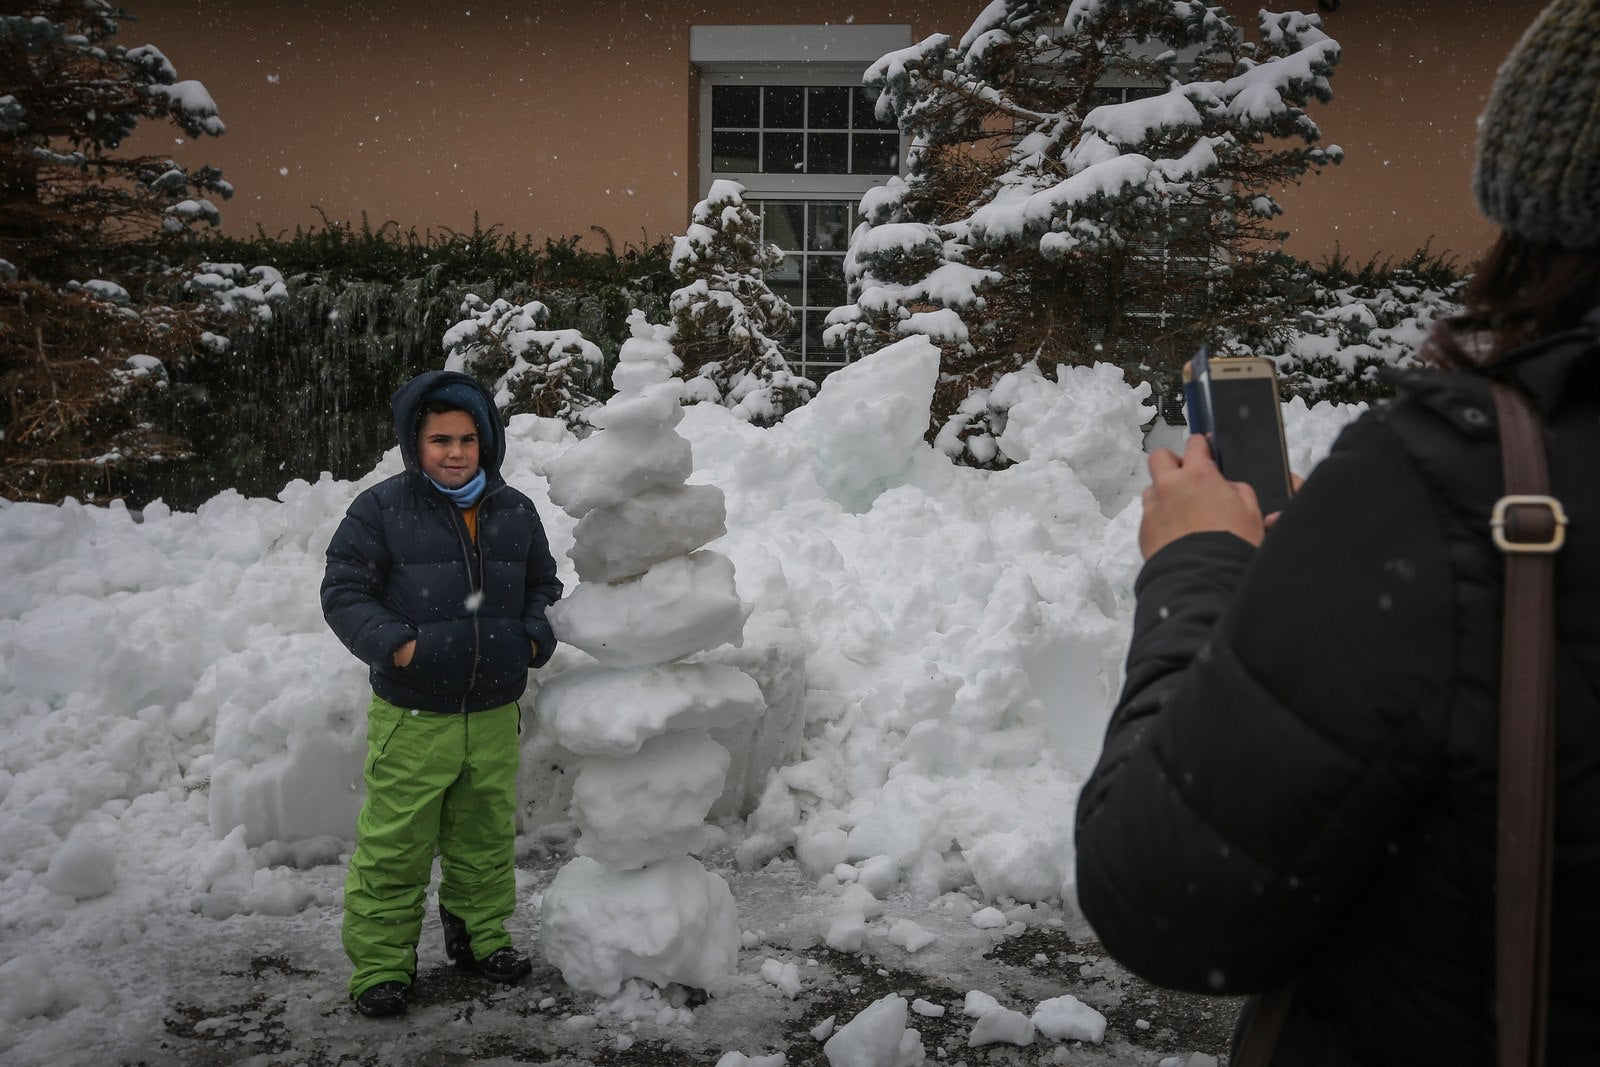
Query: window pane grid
794,129
813,235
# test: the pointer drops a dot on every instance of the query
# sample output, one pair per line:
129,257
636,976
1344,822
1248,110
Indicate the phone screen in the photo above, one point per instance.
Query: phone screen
1248,439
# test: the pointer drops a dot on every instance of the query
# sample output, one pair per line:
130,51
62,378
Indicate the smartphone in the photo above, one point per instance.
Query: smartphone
1234,402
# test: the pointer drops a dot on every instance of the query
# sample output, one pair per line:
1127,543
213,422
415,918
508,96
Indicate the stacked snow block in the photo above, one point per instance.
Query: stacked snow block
635,903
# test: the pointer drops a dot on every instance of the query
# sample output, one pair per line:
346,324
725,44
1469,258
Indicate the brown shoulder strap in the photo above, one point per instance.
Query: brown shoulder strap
1260,1035
1529,526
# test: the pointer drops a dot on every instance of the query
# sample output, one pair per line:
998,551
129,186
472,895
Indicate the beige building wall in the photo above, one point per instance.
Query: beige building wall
553,119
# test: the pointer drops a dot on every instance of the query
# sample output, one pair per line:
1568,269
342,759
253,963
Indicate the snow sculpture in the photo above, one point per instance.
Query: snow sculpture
634,904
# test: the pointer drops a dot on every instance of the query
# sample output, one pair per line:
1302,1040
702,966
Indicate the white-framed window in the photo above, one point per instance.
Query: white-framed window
782,111
814,235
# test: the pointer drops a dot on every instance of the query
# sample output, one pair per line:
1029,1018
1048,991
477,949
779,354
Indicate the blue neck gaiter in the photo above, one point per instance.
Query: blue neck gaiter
468,494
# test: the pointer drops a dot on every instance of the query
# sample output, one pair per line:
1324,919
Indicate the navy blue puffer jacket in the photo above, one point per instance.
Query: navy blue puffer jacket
402,565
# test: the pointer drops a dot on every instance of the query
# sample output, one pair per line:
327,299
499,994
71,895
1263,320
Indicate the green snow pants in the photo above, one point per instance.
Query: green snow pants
445,781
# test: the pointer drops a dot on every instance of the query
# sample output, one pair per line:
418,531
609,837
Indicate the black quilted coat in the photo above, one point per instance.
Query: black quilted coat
401,565
1299,777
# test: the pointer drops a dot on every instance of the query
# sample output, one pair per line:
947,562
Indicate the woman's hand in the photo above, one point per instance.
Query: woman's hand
403,654
1190,495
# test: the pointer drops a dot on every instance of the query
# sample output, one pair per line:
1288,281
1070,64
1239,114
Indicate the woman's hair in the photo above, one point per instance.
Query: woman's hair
1521,291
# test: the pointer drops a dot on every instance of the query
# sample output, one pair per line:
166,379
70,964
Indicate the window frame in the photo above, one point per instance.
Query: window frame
768,185
785,55
802,357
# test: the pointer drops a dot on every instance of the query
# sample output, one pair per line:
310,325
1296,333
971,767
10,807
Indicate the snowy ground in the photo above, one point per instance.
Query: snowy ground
263,990
939,648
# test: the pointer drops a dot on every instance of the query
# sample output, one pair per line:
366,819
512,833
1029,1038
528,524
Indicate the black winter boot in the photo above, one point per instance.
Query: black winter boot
457,942
383,1001
502,965
505,965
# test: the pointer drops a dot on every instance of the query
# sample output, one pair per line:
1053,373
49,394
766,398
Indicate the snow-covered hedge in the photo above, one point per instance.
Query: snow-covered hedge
534,371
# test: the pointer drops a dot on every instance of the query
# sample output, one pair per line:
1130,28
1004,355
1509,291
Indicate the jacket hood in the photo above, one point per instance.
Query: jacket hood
458,388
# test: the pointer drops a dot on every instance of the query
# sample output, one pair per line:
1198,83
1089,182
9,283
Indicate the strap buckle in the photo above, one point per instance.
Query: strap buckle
1557,520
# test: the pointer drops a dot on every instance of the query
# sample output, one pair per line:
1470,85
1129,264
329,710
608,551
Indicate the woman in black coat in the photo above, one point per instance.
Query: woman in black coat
1298,781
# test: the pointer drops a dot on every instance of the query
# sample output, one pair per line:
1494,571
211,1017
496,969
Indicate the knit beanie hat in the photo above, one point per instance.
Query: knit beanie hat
1538,172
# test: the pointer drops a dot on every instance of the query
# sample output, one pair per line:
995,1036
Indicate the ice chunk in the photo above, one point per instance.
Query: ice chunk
823,849
877,1037
867,421
1011,864
27,987
909,936
603,711
1001,1026
786,976
739,1059
978,1004
847,932
879,874
675,609
855,899
627,538
1066,1018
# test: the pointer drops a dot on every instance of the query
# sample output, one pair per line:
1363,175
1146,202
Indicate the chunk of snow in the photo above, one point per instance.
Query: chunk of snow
1066,1018
877,1037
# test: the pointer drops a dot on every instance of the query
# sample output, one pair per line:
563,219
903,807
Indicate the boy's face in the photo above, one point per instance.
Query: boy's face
447,448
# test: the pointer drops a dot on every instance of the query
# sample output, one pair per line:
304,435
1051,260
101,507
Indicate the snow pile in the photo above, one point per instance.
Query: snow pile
184,735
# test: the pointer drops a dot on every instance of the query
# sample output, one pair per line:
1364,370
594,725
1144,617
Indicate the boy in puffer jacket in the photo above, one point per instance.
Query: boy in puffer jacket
438,579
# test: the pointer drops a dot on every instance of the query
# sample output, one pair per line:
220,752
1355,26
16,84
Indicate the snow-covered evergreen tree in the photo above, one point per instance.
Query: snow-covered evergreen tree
1088,180
68,100
725,317
88,325
535,371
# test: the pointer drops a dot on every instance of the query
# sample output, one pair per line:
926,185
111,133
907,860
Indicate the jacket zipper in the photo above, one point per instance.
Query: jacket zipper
469,548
